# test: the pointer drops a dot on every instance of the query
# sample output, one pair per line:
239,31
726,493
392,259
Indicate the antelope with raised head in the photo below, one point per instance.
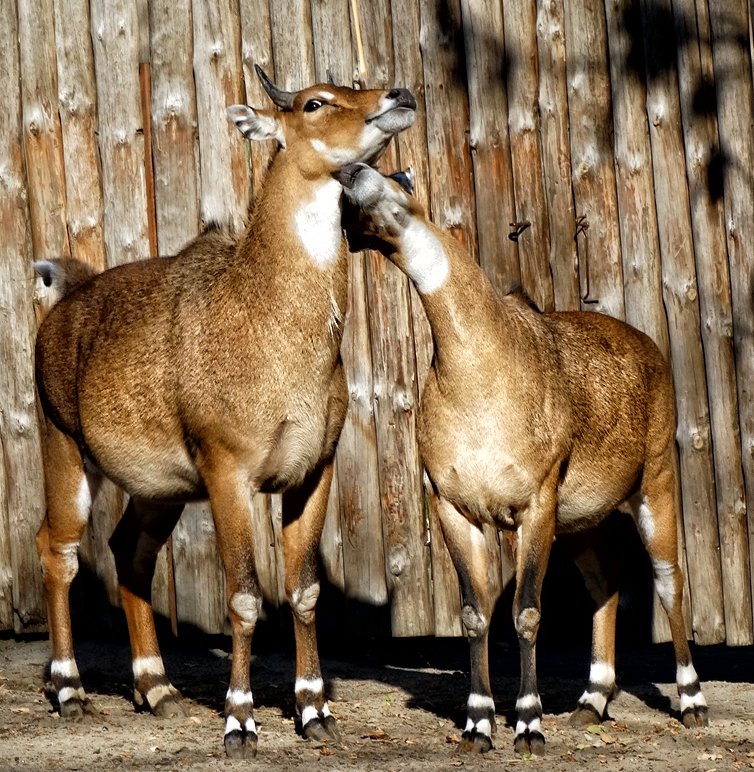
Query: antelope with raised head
214,374
539,423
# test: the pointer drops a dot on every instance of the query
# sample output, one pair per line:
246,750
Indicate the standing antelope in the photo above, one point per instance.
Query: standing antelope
543,423
214,374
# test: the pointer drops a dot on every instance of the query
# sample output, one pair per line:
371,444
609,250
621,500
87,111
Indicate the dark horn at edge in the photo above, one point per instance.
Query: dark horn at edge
283,99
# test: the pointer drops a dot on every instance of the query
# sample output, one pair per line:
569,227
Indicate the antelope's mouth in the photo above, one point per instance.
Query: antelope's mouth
348,174
398,114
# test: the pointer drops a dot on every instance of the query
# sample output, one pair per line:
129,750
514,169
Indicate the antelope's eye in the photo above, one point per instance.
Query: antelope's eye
312,105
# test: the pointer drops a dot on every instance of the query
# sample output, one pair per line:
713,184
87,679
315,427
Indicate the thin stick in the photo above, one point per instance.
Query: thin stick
359,43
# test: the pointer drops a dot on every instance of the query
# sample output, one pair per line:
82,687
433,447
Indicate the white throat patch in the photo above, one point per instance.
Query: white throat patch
426,262
318,224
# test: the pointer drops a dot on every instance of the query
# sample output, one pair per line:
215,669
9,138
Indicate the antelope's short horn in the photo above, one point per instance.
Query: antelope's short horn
283,99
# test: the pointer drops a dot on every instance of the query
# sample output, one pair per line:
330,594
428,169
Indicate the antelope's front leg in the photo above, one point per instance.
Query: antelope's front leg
229,499
536,533
471,557
304,512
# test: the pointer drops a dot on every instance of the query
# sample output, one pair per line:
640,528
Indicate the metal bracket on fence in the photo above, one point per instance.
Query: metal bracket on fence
519,228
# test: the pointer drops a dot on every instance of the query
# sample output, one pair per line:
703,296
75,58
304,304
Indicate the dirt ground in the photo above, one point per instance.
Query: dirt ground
399,704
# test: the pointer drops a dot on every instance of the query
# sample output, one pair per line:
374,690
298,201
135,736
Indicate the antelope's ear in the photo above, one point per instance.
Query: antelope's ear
257,124
405,179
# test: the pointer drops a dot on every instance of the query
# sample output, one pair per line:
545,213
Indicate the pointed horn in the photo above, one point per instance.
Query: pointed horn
283,99
330,78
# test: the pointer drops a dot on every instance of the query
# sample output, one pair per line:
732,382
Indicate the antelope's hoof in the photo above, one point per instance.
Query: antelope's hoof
170,707
77,709
529,744
321,729
584,715
475,742
695,716
240,744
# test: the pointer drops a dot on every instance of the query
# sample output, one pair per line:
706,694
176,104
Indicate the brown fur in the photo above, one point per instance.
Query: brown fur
544,423
214,373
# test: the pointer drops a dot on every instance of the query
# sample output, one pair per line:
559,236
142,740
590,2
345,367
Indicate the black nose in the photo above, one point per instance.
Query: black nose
347,175
403,97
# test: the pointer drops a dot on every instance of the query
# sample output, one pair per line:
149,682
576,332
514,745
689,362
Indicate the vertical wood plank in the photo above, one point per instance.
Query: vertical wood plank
121,144
556,154
713,285
520,23
292,44
592,162
256,48
23,497
77,106
443,56
487,65
6,560
735,115
224,170
407,553
679,282
412,152
42,133
174,146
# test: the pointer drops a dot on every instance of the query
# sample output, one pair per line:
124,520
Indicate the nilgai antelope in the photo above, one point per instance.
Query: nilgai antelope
213,374
542,423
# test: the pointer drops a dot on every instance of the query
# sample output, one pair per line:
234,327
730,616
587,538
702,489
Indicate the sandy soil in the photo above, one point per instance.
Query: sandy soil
399,703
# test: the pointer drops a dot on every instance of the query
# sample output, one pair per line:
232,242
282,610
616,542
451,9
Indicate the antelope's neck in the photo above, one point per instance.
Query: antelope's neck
457,297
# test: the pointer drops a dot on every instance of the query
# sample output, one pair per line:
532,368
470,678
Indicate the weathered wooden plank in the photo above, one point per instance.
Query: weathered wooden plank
77,106
294,64
121,143
174,146
23,497
6,561
452,195
713,285
412,152
592,163
556,154
696,463
407,554
224,171
735,116
42,133
256,46
520,23
487,63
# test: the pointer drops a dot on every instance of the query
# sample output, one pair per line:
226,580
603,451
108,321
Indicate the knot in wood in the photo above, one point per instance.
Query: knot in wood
398,560
697,441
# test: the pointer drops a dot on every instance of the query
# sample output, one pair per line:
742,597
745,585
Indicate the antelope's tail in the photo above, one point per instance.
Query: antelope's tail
54,279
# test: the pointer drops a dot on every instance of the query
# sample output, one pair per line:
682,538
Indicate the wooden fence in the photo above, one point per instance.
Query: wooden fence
615,138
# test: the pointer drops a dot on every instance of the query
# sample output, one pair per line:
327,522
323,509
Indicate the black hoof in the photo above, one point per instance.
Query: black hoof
76,709
475,742
584,715
321,729
240,745
695,717
529,744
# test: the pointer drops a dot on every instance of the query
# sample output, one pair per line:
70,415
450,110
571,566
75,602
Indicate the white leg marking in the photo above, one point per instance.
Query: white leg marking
314,685
426,261
70,554
484,727
528,701
535,725
685,675
693,701
326,710
148,666
157,693
596,699
308,713
64,667
84,499
645,522
68,693
250,725
232,724
237,697
602,674
480,702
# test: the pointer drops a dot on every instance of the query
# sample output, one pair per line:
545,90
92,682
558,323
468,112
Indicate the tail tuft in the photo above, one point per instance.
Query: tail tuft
54,279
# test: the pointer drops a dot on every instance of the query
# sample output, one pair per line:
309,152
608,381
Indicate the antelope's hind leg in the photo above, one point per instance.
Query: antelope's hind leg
69,505
597,564
654,510
470,554
304,511
136,541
